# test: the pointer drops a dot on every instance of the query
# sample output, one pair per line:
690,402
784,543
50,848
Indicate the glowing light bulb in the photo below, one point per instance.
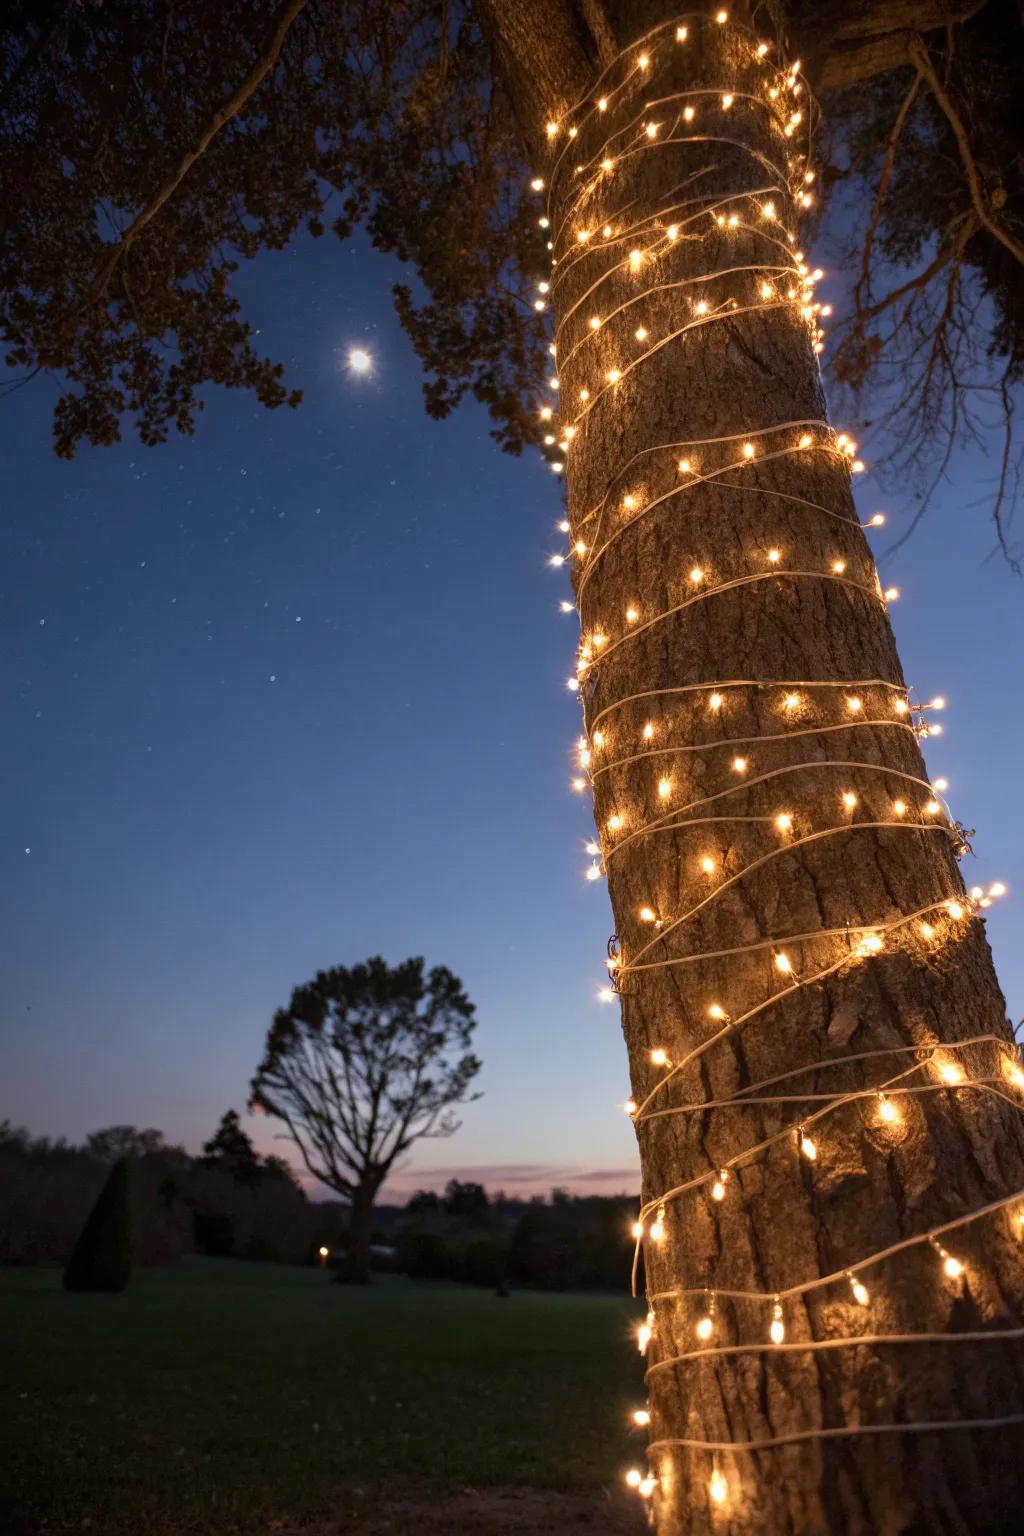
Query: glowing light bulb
701,307
715,702
891,594
707,864
899,807
613,375
807,1147
630,1107
594,873
629,502
615,821
954,909
927,931
636,260
932,808
595,322
537,184
641,1417
647,1487
838,567
748,450
997,889
774,556
573,132
633,1477
854,705
605,995
684,466
631,615
937,703
672,231
606,165
658,1226
953,1267
648,916
887,1110
762,49
659,1055
551,130
652,130
721,17
784,964
359,360
664,788
777,1331
791,702
718,1187
784,822
643,61
689,113
849,799
718,1488
951,1072
727,100
637,1230
705,1327
602,105
556,560
323,1252
584,394
648,731
877,521
766,290
739,765
716,1011
681,34
640,333
860,1291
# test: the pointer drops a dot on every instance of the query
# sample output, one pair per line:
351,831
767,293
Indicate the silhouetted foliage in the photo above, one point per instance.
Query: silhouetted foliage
145,150
231,1150
101,1260
363,1062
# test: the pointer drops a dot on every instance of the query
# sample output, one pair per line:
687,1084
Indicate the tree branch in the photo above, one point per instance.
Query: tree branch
920,56
220,116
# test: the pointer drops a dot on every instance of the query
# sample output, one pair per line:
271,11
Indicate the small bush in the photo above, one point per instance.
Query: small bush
101,1259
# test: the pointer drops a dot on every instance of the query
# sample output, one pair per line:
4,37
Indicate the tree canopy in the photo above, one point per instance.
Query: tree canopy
364,1061
146,149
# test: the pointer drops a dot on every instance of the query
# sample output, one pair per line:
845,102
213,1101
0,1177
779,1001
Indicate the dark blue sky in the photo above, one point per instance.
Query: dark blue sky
292,692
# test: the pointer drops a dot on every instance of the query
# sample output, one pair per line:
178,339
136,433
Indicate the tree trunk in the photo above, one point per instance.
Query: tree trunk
738,666
356,1268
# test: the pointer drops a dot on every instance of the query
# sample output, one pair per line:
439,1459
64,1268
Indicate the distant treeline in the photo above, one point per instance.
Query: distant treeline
231,1202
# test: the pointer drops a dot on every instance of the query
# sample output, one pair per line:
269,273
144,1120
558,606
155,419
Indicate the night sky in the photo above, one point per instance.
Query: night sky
292,692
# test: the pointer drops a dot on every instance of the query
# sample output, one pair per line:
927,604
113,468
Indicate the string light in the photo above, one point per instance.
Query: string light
718,1488
777,1330
790,285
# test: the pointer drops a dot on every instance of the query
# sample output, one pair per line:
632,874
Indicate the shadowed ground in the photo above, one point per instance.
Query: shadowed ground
229,1397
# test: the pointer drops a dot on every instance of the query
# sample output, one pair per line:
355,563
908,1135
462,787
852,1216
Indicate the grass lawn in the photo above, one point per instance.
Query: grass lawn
221,1396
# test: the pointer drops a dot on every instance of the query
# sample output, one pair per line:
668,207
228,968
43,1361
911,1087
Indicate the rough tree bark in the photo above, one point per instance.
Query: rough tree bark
744,373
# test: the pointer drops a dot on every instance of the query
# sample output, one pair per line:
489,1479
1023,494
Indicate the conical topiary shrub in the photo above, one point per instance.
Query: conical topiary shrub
101,1259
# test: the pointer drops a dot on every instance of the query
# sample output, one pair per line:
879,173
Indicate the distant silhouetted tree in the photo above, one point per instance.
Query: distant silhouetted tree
363,1062
231,1150
101,1259
114,1142
466,1202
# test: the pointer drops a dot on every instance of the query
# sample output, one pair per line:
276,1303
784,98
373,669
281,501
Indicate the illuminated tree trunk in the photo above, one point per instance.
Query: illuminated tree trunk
739,668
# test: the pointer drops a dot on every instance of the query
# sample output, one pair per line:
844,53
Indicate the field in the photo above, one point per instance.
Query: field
227,1397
